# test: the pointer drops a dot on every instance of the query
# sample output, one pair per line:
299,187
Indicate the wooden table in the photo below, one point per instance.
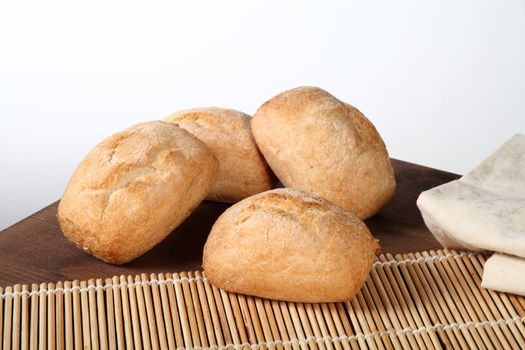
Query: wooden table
34,250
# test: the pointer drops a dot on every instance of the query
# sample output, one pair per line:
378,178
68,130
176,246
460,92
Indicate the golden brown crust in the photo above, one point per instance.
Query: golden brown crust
134,188
316,143
242,169
289,245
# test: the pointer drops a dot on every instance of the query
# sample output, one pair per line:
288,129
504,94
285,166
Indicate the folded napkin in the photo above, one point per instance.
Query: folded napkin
485,209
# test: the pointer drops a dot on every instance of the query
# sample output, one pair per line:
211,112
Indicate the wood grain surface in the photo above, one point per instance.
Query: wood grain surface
34,250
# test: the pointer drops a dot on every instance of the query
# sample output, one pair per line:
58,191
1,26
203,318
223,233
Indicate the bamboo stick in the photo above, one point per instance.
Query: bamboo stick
17,289
197,309
239,318
110,314
221,313
118,313
232,327
25,317
8,314
152,321
174,312
92,307
42,313
185,324
211,329
68,315
51,326
135,323
33,331
166,311
1,315
59,315
126,313
161,328
190,311
101,315
141,304
84,303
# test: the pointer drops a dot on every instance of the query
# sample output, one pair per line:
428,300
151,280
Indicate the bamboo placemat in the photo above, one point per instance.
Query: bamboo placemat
410,301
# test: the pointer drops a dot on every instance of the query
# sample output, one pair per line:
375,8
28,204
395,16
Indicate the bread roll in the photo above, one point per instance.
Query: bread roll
286,244
242,169
318,144
134,188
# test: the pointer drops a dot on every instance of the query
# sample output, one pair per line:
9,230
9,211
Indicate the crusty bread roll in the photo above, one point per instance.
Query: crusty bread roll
318,144
134,188
242,169
289,245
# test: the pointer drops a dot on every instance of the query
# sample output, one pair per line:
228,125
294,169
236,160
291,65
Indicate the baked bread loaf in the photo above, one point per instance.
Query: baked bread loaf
319,144
134,188
242,169
289,245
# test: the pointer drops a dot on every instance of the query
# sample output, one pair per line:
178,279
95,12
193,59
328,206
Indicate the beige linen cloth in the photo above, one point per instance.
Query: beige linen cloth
485,210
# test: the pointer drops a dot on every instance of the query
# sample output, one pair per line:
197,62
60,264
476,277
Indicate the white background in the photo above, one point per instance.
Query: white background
443,81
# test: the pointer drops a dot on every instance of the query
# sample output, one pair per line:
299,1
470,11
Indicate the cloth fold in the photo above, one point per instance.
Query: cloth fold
504,273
